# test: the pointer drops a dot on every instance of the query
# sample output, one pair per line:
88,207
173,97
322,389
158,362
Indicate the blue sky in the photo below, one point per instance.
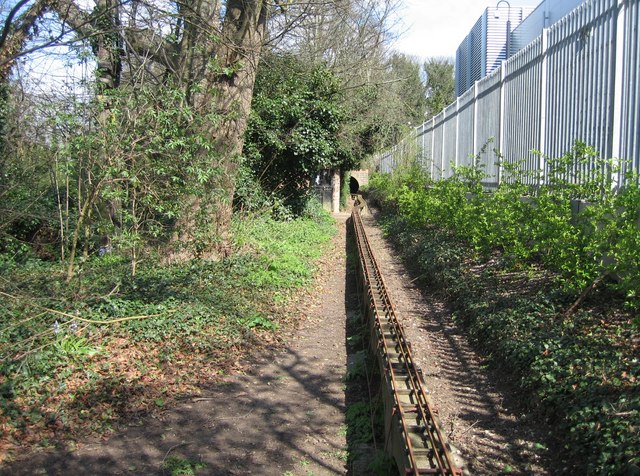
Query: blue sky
437,27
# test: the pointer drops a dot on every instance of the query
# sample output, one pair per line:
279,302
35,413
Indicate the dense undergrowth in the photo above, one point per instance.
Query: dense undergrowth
79,357
515,271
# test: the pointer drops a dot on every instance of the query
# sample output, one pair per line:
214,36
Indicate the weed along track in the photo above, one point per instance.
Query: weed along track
412,432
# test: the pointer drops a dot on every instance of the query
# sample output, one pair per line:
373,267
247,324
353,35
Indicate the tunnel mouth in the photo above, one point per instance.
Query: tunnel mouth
354,185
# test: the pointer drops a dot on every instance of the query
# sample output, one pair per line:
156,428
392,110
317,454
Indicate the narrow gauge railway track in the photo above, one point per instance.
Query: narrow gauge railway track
412,432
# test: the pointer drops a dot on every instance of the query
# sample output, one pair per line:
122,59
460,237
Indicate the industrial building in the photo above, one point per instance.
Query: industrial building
544,15
500,33
487,44
577,80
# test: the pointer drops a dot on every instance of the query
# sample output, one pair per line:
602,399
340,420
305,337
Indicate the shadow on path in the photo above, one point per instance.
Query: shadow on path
284,416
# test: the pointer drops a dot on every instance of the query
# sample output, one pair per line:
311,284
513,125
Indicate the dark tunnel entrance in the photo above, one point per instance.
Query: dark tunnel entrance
354,186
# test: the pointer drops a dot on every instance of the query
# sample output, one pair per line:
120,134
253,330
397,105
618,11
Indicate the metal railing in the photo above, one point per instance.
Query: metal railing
579,80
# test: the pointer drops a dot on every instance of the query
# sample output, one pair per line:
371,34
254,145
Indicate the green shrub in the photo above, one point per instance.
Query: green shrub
484,251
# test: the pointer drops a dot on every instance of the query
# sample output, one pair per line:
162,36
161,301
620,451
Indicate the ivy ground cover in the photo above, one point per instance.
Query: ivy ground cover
551,299
80,358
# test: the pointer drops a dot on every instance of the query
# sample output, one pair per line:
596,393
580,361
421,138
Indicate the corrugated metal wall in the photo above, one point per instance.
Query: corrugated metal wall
477,43
576,81
462,74
500,21
485,47
470,56
496,39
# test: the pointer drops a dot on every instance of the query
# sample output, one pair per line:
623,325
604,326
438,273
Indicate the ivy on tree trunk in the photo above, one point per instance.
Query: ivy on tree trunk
227,92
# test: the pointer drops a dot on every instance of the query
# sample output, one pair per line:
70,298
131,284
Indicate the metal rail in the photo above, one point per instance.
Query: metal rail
413,435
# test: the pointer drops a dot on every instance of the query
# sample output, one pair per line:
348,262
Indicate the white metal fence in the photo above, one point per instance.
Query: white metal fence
579,80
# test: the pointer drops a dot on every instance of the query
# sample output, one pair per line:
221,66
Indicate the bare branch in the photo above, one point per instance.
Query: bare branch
14,37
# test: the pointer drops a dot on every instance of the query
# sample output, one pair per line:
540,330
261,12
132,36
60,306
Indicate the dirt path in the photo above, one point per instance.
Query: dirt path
472,408
284,416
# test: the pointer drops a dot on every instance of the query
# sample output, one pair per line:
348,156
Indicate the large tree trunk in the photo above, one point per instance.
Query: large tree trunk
244,32
227,93
198,28
222,62
107,44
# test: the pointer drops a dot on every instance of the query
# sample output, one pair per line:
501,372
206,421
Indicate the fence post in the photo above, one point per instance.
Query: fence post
444,141
475,119
394,157
616,131
421,147
543,107
419,153
501,127
457,151
424,146
433,143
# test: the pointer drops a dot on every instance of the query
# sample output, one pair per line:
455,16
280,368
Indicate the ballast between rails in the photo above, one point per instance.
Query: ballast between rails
412,432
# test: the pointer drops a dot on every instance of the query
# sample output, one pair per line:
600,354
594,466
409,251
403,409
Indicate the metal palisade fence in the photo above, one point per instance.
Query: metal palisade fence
579,80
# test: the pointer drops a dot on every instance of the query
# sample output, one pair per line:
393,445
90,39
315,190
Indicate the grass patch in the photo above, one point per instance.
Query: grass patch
177,466
76,358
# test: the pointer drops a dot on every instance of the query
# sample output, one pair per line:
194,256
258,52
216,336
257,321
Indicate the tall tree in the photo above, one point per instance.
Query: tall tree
352,38
212,58
294,128
226,91
208,52
440,84
408,87
386,107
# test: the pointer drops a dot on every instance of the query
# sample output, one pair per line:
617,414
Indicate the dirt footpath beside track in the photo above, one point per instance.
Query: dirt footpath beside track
283,416
285,413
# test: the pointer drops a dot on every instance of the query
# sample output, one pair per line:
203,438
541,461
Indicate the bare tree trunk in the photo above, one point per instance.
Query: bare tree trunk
84,209
227,92
244,32
107,44
56,185
13,37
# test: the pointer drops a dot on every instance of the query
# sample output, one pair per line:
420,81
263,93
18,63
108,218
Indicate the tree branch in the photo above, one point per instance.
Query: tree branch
14,37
